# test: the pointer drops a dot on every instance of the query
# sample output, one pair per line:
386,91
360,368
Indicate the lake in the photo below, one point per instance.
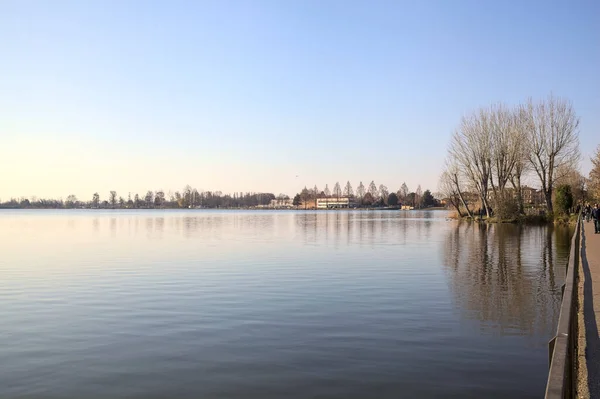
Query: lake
272,304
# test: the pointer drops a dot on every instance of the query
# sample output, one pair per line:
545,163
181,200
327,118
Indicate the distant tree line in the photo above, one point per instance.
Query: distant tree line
369,196
187,198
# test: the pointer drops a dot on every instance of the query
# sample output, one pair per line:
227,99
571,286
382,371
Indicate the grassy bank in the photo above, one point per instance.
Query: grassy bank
524,219
565,219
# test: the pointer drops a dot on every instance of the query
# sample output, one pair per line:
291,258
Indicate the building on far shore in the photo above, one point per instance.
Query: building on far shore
281,203
531,196
332,203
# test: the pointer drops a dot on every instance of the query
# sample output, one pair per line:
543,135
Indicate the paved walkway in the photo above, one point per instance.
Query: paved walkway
589,314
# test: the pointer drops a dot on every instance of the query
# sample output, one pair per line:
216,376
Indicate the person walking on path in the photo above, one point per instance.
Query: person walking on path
588,212
596,217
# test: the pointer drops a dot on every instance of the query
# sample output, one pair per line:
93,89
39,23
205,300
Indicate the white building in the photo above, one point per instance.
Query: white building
331,203
281,203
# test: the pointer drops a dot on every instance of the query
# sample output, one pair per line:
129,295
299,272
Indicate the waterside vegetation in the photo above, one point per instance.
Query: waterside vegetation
497,148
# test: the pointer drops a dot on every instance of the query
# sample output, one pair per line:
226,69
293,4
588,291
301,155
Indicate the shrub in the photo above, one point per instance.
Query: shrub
563,199
506,209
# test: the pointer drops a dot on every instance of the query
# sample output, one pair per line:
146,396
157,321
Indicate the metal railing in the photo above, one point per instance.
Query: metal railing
562,348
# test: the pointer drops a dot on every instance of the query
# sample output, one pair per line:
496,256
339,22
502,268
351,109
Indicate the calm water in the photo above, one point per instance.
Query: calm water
202,304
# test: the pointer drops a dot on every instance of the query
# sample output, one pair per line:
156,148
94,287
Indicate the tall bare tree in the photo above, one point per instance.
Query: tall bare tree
418,196
594,179
96,200
187,195
505,147
159,198
373,190
470,150
149,198
553,138
305,196
113,198
522,165
403,192
360,191
451,183
337,191
383,193
348,192
70,202
449,192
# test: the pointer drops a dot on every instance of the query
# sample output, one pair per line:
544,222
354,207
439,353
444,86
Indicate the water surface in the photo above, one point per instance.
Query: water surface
266,304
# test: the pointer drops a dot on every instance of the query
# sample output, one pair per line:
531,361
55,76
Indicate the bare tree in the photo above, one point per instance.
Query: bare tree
113,198
594,179
360,191
326,191
159,198
305,196
449,192
522,165
348,192
373,190
451,183
418,196
149,197
470,150
187,195
403,192
553,139
96,200
505,148
70,202
383,193
337,191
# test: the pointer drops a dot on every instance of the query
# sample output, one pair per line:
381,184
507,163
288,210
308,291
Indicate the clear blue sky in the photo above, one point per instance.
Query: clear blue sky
247,95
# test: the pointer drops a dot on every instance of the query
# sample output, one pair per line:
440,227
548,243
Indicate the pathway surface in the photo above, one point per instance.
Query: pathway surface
589,314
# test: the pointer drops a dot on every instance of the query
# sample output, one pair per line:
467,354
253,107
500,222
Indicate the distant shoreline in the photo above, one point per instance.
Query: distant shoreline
223,209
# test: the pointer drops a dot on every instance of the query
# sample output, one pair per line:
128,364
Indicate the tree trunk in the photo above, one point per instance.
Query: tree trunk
516,183
456,205
484,204
548,195
465,204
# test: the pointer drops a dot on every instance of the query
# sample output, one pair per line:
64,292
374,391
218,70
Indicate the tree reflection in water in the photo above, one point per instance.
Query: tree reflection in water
507,277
